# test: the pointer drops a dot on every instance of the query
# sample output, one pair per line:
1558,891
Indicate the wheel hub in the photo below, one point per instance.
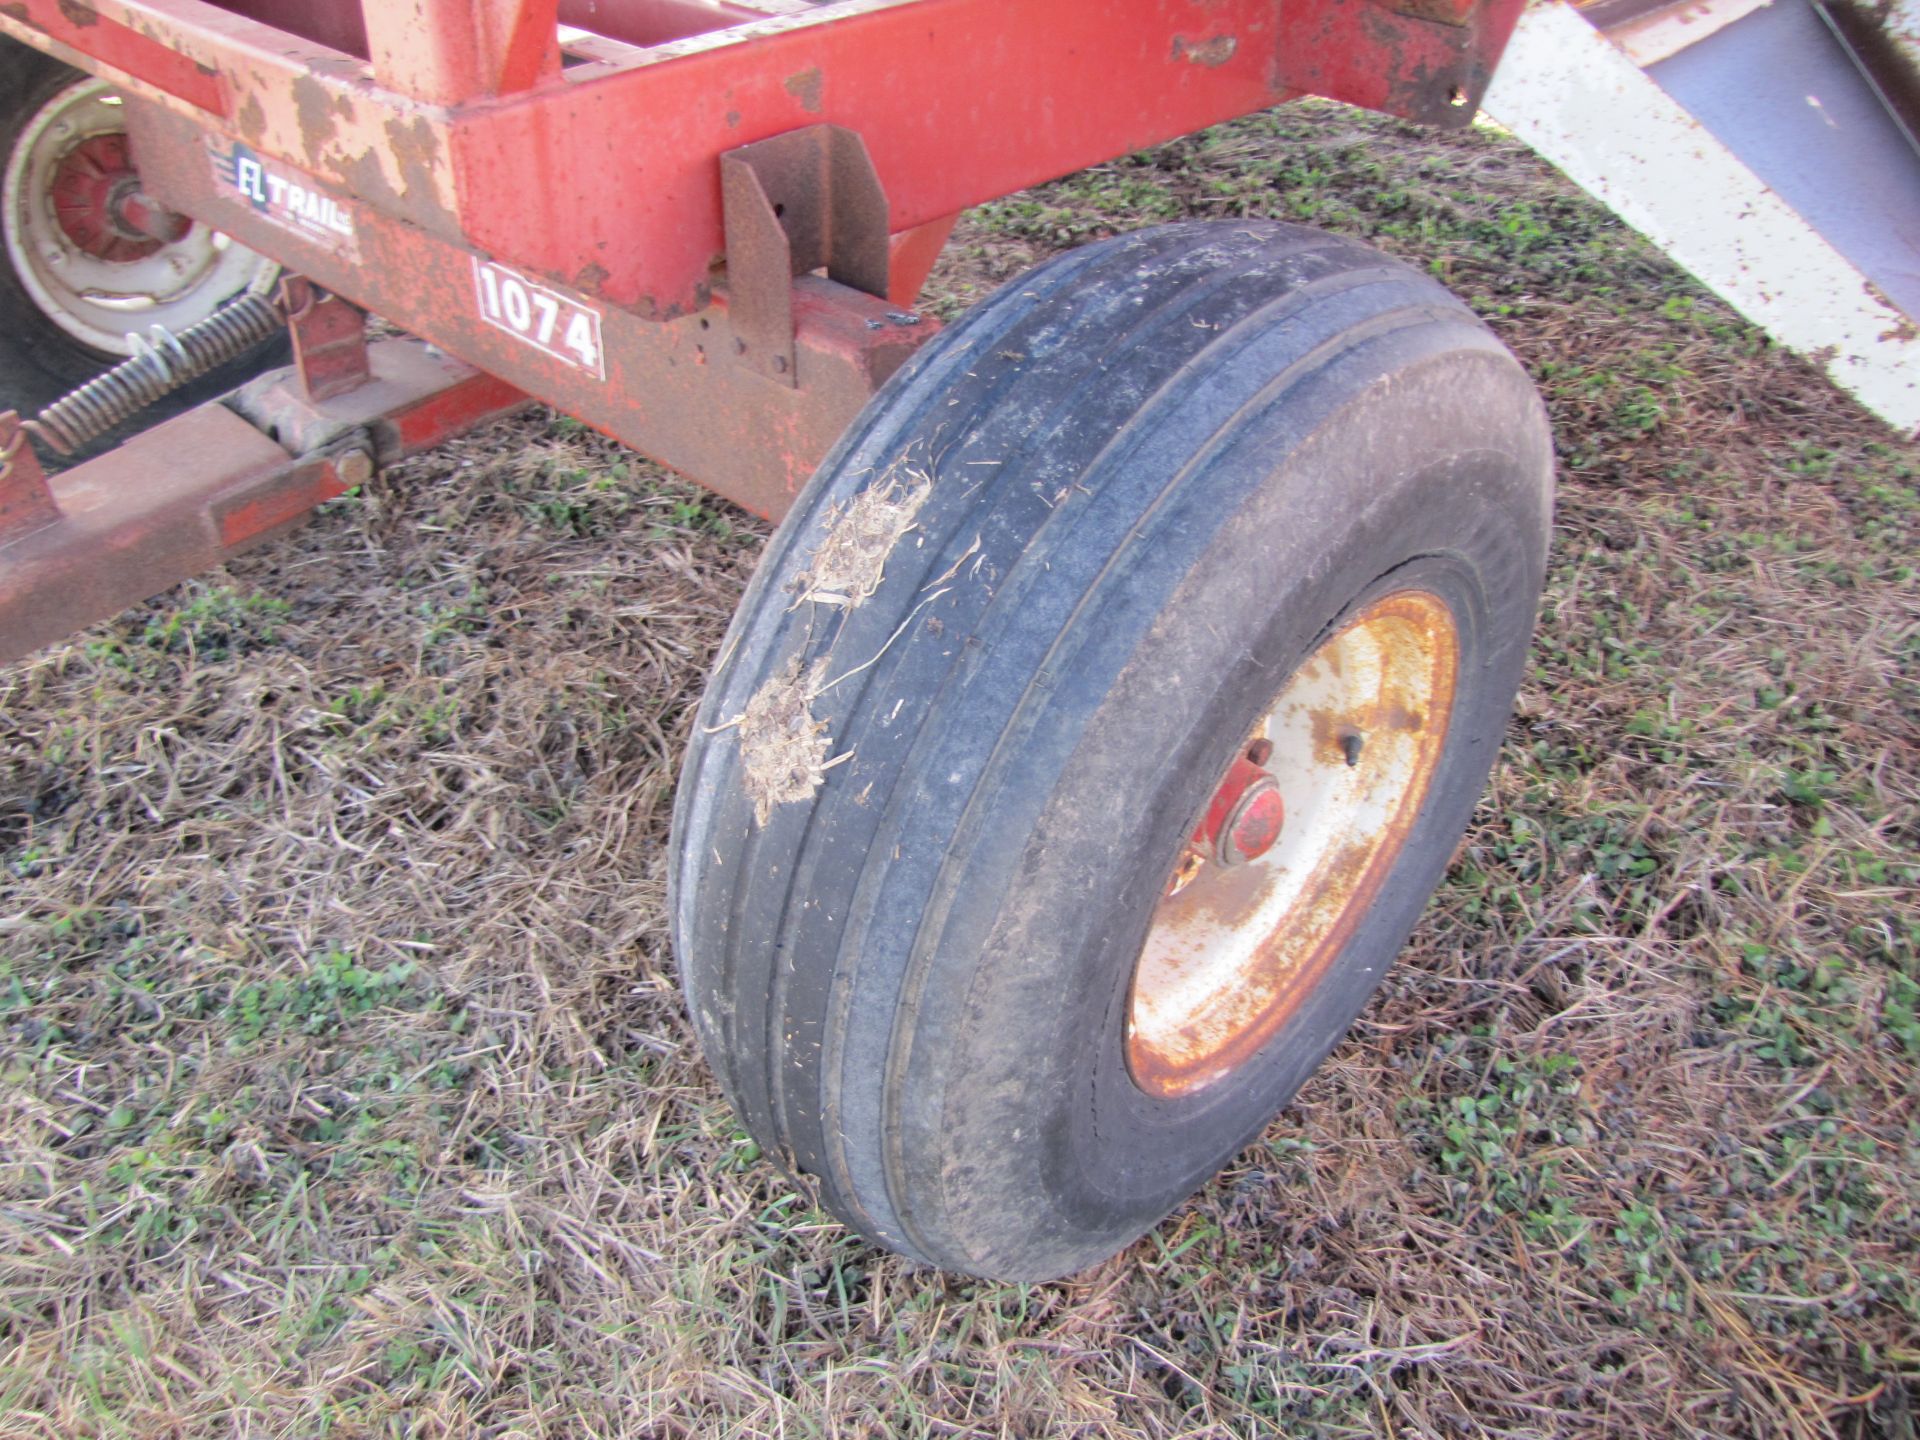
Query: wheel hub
1294,844
96,200
1242,822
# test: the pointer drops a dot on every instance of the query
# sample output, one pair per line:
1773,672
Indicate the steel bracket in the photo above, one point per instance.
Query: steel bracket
26,502
791,205
329,339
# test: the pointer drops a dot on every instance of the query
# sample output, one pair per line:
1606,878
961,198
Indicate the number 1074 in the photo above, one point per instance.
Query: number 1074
545,319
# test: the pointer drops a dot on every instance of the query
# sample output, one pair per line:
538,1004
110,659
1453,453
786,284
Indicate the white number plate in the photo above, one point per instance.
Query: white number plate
547,320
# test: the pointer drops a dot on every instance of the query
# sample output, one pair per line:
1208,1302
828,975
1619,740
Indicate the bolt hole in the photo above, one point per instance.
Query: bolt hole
779,209
1458,97
706,324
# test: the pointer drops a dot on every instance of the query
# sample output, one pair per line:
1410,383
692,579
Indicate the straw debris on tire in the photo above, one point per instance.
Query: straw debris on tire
849,564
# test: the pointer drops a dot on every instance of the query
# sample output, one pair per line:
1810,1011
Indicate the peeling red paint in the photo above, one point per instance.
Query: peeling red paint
1215,50
808,88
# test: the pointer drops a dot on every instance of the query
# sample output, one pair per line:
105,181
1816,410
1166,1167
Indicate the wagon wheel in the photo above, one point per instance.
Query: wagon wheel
1096,728
77,278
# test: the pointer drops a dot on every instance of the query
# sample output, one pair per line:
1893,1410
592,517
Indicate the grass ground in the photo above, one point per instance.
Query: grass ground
344,1087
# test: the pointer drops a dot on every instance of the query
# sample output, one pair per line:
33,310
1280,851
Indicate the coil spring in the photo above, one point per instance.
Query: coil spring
163,362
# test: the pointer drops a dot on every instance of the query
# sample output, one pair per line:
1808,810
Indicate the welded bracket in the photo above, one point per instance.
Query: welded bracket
329,339
793,204
26,502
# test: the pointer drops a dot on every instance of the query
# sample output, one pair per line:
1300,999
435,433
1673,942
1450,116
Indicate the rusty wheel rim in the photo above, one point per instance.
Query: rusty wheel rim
1234,948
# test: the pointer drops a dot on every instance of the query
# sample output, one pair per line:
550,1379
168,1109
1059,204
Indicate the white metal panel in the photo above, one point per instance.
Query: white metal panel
1568,92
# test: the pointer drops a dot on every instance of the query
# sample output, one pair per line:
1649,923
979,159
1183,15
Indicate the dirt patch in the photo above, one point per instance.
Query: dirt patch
783,749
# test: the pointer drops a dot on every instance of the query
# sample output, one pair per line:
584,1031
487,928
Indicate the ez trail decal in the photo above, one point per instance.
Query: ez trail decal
285,197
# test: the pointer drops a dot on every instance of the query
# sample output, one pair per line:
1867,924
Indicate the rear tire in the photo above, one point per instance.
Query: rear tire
988,678
52,338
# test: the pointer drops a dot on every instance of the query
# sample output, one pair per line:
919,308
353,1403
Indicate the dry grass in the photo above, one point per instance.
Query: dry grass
344,1088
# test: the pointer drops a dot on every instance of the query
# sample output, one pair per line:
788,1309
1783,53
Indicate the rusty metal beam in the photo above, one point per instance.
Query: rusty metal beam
183,496
446,52
133,522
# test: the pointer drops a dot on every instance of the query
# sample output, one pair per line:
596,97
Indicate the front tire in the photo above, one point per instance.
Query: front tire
984,689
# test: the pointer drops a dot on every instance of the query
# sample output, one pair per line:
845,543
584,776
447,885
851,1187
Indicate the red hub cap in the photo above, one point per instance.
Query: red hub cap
1244,818
96,198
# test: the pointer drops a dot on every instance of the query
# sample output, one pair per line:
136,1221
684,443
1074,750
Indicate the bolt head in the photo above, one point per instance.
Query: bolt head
354,468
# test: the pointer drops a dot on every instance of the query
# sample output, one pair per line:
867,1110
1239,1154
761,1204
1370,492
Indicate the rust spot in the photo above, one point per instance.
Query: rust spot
251,118
416,149
590,278
17,12
1441,12
79,14
733,119
1903,328
808,87
315,108
1329,735
366,179
1215,50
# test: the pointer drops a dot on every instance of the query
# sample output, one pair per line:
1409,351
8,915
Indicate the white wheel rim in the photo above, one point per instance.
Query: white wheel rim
1233,950
98,302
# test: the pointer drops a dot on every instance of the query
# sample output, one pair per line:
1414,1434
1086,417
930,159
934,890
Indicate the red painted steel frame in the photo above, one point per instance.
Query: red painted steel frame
426,160
604,177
